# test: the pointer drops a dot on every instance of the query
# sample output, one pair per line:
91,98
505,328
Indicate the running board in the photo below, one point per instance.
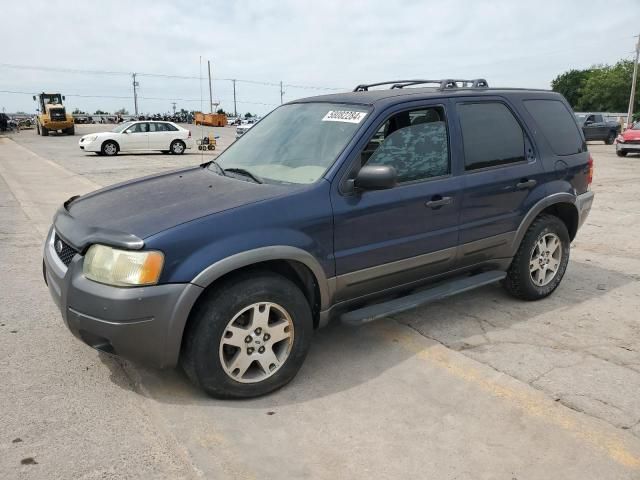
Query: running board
397,305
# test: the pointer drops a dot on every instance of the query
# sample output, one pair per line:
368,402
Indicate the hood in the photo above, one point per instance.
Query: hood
149,205
99,134
631,134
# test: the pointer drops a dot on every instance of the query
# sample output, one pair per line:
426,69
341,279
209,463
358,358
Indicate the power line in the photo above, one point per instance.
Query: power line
130,97
61,70
160,75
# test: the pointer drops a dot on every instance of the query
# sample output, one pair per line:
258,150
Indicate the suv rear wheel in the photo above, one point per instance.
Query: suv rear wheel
541,260
249,337
610,138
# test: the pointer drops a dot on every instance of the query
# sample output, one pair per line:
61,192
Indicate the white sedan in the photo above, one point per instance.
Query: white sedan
139,136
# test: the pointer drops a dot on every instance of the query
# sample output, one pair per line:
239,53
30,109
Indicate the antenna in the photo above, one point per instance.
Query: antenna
201,111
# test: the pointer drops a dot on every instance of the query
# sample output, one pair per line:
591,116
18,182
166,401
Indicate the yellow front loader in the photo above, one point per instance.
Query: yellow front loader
52,115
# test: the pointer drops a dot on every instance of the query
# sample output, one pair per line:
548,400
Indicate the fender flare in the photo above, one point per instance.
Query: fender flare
553,199
275,252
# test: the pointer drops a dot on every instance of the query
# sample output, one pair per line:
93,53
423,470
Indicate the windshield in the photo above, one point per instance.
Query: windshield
296,143
122,127
52,99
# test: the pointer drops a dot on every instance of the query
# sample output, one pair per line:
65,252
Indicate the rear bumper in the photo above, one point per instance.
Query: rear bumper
144,324
583,204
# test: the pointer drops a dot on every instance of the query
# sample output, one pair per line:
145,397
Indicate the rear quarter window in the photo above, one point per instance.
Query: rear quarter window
557,124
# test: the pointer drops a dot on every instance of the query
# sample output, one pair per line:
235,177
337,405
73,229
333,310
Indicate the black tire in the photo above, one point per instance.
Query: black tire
178,147
610,138
44,131
70,130
110,148
621,153
200,357
518,281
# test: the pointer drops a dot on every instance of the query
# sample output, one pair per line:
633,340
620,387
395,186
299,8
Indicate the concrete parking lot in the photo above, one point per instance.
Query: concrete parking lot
478,386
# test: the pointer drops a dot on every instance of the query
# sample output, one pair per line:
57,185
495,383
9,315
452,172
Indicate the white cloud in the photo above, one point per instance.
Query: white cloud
328,43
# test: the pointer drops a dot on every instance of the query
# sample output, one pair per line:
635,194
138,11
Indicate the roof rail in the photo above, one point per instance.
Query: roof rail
442,84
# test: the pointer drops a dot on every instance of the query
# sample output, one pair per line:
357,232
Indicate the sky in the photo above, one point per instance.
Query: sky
329,45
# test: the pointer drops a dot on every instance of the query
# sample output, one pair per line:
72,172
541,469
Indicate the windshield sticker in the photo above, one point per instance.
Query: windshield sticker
344,116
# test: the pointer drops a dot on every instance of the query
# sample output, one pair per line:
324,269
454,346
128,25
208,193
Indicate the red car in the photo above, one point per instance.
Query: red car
628,141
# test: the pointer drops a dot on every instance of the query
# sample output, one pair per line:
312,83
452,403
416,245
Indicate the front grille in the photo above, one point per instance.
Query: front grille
64,251
57,114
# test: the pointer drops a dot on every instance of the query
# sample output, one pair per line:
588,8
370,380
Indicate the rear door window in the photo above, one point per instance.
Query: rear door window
490,135
557,125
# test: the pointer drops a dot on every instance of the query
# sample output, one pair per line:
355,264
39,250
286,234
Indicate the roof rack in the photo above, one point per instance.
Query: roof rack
443,84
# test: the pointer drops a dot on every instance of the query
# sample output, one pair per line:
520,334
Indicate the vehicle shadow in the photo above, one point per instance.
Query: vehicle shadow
342,357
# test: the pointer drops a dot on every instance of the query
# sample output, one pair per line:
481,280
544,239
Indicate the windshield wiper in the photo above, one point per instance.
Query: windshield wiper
245,173
215,164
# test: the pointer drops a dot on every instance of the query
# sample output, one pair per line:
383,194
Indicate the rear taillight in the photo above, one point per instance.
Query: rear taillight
590,172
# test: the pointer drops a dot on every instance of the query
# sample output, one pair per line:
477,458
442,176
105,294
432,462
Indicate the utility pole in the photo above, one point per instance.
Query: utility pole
135,93
174,107
632,97
281,92
210,92
235,110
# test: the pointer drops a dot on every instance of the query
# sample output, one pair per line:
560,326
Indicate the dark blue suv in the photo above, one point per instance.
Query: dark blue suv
353,206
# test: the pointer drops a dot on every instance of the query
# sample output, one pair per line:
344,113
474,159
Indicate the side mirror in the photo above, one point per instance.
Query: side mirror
376,177
589,122
126,132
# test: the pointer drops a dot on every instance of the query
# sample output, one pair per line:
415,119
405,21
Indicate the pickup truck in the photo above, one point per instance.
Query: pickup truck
595,126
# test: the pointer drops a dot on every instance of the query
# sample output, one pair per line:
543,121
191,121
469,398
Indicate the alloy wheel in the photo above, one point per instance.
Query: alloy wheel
545,259
256,342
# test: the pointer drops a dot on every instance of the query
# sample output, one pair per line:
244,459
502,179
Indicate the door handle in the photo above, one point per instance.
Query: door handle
438,201
526,184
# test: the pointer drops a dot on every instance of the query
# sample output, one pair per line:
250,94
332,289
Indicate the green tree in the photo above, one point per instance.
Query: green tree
601,88
77,111
248,115
608,87
122,111
570,84
100,112
221,111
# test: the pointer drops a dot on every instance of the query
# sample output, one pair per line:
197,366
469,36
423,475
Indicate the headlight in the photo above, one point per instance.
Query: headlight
90,138
122,268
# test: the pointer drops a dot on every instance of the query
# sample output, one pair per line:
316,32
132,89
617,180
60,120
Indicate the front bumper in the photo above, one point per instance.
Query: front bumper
627,147
93,146
583,204
144,324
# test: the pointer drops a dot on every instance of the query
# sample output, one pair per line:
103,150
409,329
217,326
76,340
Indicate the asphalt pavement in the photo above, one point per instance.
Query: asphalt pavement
478,386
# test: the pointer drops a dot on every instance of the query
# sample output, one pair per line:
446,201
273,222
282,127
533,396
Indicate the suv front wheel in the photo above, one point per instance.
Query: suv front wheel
248,337
541,260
